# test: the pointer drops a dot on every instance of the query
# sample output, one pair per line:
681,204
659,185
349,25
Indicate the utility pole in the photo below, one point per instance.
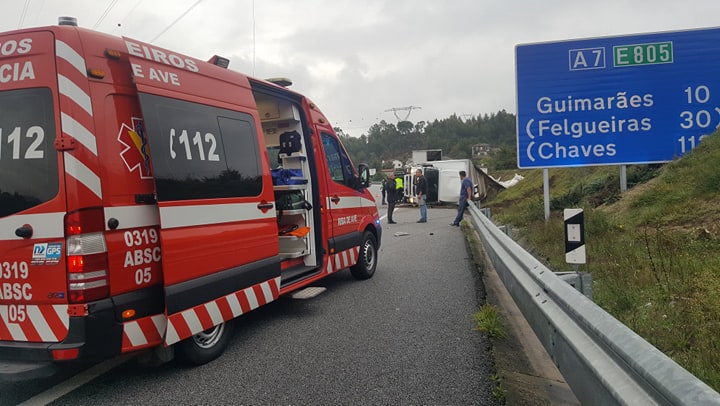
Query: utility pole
409,110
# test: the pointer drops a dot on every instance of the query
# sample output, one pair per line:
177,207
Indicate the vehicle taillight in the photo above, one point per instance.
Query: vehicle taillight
87,259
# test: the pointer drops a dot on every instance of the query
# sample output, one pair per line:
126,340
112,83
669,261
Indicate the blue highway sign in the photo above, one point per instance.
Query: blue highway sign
633,99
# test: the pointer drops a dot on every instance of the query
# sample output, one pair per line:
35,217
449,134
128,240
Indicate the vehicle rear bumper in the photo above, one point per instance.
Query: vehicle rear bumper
97,335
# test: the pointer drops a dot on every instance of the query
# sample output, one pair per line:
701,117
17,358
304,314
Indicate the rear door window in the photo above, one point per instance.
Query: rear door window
200,151
28,160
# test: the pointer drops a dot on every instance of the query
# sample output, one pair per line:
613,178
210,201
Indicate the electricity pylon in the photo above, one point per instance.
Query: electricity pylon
409,110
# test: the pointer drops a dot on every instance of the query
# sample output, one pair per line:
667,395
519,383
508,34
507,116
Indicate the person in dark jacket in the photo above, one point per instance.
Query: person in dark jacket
421,192
391,197
383,191
465,195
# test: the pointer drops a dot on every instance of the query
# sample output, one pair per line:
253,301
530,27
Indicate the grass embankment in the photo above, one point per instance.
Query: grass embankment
653,251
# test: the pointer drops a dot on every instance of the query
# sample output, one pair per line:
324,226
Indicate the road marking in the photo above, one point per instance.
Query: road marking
62,389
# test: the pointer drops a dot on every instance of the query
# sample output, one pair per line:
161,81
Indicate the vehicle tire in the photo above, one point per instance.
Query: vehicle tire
205,346
365,267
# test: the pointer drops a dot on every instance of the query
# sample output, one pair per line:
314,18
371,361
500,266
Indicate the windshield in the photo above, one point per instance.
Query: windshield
28,161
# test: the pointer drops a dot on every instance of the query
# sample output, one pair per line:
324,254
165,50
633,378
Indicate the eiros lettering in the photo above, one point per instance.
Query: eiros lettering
12,47
157,55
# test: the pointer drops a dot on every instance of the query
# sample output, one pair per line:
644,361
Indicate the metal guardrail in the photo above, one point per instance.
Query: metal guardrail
603,361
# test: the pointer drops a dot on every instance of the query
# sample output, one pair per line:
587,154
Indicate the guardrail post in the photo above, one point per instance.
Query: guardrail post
581,281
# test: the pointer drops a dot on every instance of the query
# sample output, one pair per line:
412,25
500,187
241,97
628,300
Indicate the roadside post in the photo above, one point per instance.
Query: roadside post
574,220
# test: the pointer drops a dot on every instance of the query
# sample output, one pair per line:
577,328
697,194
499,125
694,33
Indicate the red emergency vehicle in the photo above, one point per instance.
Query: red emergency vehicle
142,204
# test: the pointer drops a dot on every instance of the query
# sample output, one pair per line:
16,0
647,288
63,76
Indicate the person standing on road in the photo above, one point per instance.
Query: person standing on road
391,197
383,191
465,193
399,191
421,192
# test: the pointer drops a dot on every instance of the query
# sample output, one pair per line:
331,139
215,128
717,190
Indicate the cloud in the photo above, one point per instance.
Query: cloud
358,59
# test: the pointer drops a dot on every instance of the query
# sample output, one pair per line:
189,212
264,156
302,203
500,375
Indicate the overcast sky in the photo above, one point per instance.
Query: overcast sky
358,59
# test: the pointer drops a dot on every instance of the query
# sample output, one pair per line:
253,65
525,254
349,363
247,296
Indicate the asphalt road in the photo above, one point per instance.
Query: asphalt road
404,337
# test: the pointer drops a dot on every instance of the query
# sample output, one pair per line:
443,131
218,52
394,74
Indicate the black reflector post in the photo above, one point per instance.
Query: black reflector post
574,236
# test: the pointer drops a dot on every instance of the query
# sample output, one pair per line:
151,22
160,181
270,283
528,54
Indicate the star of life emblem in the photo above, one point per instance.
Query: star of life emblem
135,154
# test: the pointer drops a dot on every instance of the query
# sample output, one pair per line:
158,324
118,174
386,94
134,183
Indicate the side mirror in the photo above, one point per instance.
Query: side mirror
364,171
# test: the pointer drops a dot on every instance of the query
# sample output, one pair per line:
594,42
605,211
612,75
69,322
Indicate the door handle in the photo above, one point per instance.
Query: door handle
335,199
264,206
26,231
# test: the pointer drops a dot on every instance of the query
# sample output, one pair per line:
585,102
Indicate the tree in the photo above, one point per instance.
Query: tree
455,136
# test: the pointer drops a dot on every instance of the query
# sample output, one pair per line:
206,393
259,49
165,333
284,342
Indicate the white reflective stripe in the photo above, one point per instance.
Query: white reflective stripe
134,334
234,305
133,216
250,294
62,313
76,130
185,216
214,312
40,324
46,225
83,174
192,321
268,293
64,51
171,335
160,322
68,88
349,202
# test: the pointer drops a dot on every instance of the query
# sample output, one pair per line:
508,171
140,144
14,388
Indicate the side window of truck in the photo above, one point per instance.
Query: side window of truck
200,151
341,170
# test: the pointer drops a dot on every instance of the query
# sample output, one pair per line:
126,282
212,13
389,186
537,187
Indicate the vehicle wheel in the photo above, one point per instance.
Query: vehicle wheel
205,346
365,267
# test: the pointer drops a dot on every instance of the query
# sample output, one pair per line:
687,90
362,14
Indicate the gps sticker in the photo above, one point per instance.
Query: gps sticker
46,253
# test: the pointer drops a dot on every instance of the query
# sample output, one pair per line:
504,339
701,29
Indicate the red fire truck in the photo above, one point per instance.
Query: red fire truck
148,198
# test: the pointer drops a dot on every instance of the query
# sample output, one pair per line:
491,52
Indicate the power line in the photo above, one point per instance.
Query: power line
24,13
39,12
175,22
104,14
131,11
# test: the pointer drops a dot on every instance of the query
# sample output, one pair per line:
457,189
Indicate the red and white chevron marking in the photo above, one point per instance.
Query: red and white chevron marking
77,121
143,333
33,323
342,260
202,317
